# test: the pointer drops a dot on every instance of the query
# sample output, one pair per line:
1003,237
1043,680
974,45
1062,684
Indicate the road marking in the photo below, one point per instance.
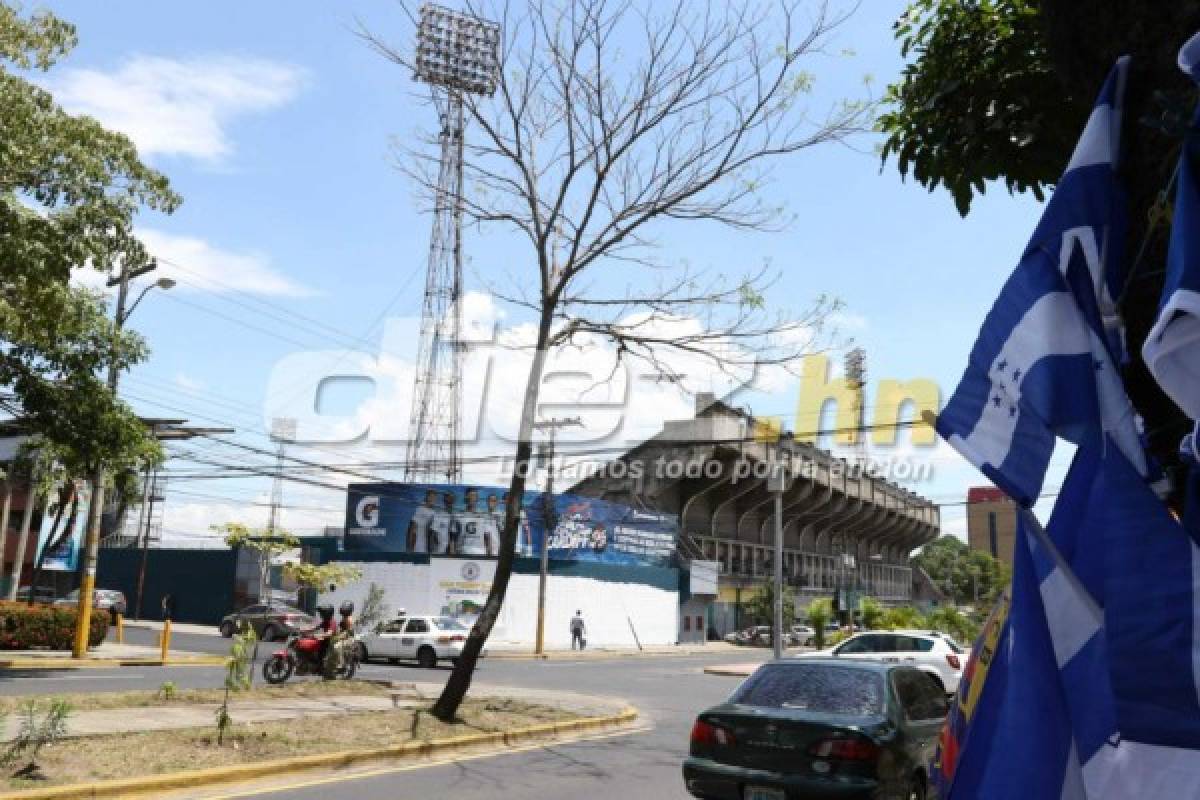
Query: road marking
373,773
94,677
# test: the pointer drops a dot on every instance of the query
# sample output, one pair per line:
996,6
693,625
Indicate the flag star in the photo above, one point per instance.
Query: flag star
996,401
1012,411
1099,365
1001,366
1016,374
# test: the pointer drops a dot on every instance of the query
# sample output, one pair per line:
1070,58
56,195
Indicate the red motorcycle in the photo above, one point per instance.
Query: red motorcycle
302,656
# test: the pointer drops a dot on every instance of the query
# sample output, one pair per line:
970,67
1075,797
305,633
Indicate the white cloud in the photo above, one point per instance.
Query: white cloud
188,383
196,264
178,107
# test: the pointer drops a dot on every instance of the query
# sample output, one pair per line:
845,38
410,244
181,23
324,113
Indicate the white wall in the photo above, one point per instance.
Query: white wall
608,608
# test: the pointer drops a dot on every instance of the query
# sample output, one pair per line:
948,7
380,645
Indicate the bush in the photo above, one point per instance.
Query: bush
24,627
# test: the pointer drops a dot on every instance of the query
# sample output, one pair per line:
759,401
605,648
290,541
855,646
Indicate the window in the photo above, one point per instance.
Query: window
823,688
395,626
417,626
687,623
699,622
859,644
449,624
919,694
912,644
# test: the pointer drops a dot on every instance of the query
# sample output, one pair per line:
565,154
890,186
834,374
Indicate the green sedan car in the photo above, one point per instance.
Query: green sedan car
817,728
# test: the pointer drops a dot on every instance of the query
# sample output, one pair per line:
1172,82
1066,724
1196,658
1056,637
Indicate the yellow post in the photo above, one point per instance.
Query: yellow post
166,639
120,629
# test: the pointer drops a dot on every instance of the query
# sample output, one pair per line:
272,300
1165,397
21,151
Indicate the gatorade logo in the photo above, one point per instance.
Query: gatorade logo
366,514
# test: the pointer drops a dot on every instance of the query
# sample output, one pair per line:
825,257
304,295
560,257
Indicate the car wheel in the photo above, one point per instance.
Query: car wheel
427,657
393,661
363,655
227,629
916,790
270,634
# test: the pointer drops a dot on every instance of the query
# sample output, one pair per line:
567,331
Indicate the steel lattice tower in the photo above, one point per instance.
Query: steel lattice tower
456,54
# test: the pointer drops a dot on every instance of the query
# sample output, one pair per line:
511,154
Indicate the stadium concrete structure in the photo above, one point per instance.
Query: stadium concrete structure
843,529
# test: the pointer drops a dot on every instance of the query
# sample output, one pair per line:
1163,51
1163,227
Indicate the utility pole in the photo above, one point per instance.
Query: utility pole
551,425
91,543
778,483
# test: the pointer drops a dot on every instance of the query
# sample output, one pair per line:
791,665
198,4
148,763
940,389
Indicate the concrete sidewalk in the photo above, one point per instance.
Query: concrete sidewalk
732,670
107,654
176,627
512,650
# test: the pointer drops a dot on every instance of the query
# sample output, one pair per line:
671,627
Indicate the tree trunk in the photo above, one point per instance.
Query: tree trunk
456,687
1083,48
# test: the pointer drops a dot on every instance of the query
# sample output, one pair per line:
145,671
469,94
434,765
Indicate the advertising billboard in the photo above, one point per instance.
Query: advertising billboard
466,520
65,556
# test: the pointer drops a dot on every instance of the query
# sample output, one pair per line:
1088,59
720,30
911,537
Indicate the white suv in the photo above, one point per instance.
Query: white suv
932,651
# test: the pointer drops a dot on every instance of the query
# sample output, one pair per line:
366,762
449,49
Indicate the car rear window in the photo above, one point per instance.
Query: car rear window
449,624
825,688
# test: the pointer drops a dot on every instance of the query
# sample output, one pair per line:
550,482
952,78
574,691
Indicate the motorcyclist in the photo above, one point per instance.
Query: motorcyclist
324,631
343,634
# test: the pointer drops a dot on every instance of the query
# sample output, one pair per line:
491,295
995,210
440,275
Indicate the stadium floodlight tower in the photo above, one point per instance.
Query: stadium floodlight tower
457,54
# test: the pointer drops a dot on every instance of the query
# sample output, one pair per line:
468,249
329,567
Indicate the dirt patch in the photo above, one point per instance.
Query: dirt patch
148,698
129,755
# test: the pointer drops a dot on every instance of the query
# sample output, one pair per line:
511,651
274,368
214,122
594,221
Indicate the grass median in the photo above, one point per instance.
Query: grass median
97,758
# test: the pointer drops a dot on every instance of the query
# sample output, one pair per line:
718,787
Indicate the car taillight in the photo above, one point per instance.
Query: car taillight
855,749
458,637
953,661
709,735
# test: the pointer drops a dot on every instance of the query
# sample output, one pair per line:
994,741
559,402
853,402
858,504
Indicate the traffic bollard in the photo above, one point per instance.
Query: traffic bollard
120,629
166,639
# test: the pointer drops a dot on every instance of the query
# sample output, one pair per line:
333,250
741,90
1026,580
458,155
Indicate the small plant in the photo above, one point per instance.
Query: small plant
374,611
37,731
167,691
238,675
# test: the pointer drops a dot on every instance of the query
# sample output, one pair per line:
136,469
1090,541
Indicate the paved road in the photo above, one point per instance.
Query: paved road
192,642
668,690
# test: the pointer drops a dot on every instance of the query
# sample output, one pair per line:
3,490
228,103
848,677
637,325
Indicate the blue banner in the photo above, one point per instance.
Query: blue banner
466,520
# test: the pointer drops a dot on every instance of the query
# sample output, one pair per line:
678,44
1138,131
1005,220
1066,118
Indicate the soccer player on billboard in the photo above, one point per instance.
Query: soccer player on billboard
471,539
419,525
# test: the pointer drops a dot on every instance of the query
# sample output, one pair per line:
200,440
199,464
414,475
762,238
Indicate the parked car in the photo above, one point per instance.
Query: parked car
44,594
745,636
270,622
802,636
934,652
426,640
819,728
110,600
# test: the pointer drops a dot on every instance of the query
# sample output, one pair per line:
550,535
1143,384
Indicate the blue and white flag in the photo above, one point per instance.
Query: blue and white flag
1172,348
1045,363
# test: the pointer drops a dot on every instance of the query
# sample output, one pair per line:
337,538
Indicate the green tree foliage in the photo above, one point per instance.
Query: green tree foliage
820,611
762,606
239,674
373,610
979,101
952,621
69,192
268,544
961,572
872,613
321,576
902,617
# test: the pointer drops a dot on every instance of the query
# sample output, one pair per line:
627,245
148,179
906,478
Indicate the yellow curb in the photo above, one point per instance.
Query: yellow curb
108,663
344,758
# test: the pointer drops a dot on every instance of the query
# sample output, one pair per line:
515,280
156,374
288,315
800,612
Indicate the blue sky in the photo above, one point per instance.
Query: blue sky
297,234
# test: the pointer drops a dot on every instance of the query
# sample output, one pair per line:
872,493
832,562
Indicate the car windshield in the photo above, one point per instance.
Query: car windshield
824,688
449,624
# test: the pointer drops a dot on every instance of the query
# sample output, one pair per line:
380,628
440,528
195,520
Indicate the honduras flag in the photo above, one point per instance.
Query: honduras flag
1045,362
1172,348
1089,700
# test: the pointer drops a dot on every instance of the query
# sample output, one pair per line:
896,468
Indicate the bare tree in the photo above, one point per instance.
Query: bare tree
610,119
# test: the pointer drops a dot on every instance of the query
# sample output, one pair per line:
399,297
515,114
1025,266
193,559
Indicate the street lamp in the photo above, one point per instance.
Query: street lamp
91,543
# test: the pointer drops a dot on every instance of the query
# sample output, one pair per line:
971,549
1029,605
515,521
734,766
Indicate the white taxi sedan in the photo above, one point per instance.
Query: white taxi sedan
426,640
934,652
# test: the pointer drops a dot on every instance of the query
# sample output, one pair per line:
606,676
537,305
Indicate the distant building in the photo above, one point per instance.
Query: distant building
991,522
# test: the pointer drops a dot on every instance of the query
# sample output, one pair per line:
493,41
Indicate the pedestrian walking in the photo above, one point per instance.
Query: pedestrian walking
578,631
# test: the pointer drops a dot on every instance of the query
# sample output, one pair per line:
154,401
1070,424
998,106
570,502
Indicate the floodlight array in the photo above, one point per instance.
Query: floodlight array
457,50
